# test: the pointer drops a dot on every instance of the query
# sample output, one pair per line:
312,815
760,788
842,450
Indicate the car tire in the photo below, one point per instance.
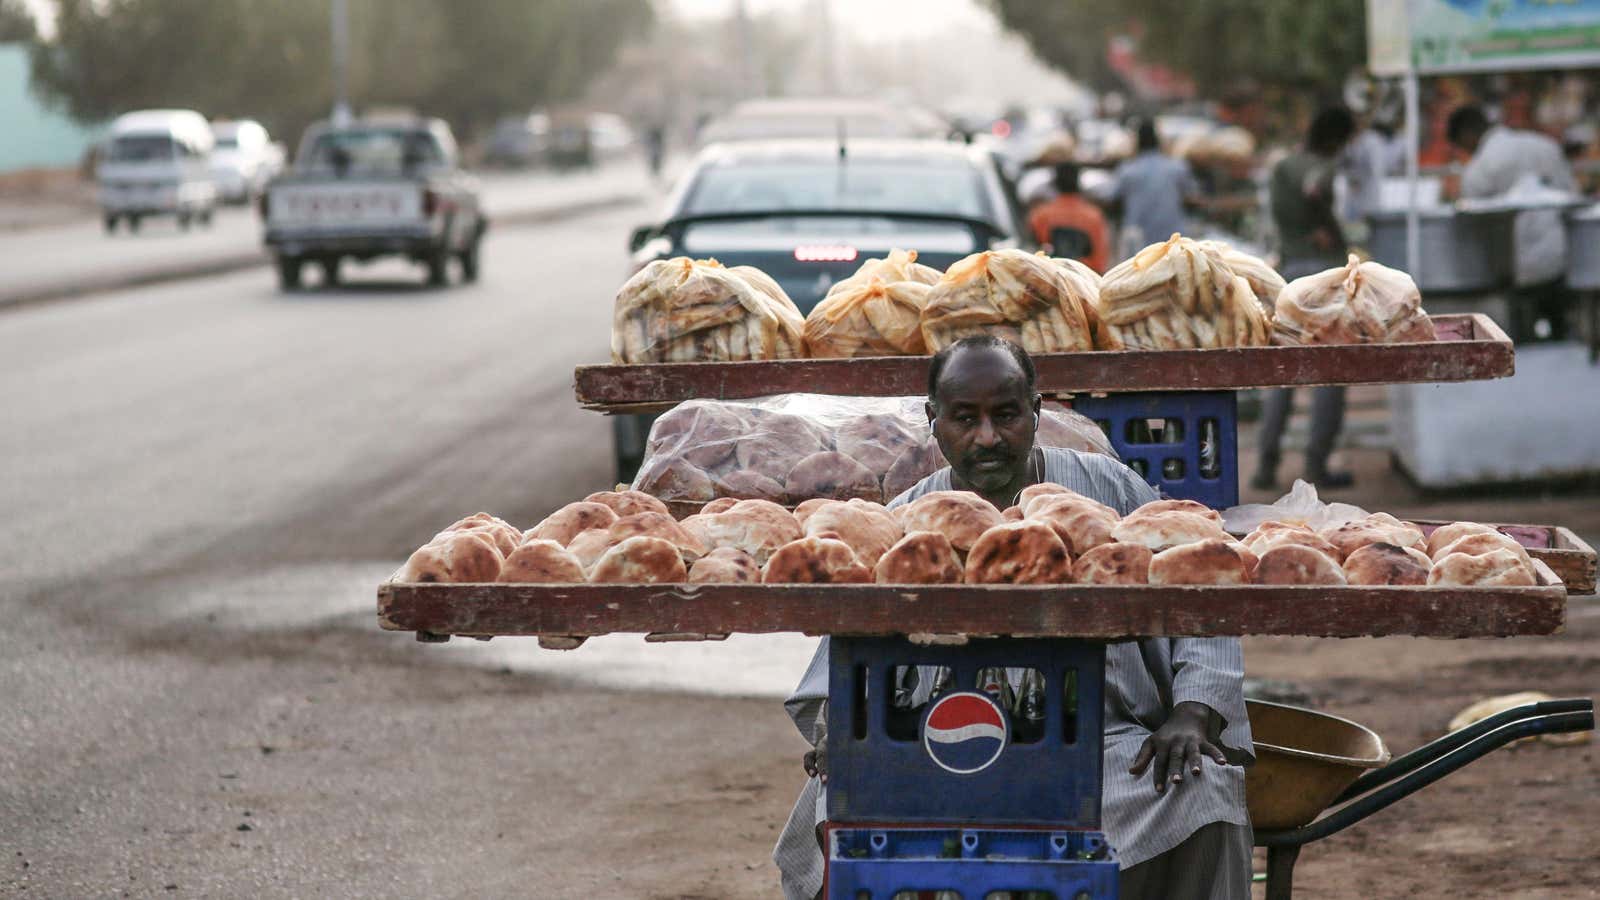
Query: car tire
469,262
183,221
439,269
133,224
111,224
205,216
289,273
330,272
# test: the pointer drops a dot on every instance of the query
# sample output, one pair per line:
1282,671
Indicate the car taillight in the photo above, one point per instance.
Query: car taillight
825,253
430,202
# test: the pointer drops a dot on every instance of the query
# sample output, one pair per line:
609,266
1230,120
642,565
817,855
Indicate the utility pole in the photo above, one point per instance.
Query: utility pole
741,26
830,49
340,32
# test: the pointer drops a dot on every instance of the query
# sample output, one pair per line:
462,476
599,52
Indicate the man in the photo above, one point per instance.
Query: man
1176,734
1501,158
1069,210
1302,201
1152,190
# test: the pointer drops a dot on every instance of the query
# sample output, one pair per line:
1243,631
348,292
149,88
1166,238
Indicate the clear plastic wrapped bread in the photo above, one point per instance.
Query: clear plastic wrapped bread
793,447
1012,294
1178,296
1264,281
686,310
875,312
1358,303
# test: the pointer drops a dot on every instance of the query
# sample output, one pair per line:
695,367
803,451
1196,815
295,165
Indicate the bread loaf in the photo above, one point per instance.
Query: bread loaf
1167,528
542,561
1499,567
1358,303
721,504
830,473
641,559
1483,542
876,312
501,533
1113,564
961,516
743,484
1010,294
1297,564
1446,534
458,557
1268,535
756,527
867,528
1200,562
921,557
675,478
1081,527
571,520
874,442
1381,564
627,503
813,560
658,525
1176,296
1265,283
1019,553
725,565
1377,528
683,310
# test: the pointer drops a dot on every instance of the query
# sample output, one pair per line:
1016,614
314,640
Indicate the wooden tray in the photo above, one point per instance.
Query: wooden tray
1470,347
1081,611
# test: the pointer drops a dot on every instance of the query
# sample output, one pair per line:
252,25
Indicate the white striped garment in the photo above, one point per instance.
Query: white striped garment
1144,680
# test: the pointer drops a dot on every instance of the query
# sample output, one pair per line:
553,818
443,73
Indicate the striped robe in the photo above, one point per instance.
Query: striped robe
1144,680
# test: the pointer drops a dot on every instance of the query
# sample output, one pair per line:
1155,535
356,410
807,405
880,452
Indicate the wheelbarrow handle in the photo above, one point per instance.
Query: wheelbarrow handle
1459,738
1427,774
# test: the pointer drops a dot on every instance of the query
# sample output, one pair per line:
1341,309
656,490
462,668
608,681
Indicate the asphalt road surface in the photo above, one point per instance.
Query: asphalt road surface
203,484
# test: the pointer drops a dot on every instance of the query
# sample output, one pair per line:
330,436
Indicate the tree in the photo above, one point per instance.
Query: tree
1303,45
468,61
16,23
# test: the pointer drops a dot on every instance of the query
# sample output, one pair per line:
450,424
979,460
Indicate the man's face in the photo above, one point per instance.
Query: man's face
983,417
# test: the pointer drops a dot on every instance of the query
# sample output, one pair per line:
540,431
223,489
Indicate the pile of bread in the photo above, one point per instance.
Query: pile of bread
1177,294
1052,536
798,446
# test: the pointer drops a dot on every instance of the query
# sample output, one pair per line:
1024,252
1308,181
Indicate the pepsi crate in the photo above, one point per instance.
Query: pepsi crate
885,863
1185,444
1002,731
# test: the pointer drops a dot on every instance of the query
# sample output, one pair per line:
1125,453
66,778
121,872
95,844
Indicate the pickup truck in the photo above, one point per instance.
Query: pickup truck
373,188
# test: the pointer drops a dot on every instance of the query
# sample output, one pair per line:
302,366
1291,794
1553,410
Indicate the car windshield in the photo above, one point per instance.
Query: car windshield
373,152
140,148
946,187
227,143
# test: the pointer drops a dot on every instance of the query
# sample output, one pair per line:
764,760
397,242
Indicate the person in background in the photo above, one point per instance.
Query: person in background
1365,163
1151,190
1301,196
1502,157
1070,210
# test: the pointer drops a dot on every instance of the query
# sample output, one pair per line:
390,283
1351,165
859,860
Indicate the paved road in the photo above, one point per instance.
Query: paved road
203,483
63,260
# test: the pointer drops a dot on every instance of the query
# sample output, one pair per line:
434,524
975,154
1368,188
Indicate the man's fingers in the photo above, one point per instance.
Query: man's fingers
1142,759
1175,755
1215,752
1191,758
809,762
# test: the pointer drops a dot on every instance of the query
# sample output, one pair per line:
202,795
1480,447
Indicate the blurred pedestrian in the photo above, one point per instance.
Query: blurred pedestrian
1151,191
1503,159
1070,224
655,147
1301,194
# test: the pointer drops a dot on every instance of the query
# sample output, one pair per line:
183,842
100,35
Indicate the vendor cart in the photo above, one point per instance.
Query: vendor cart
971,799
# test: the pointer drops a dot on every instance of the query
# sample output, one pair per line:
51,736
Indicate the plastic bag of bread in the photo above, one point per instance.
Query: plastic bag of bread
1177,296
1265,282
875,312
1358,303
1019,296
685,310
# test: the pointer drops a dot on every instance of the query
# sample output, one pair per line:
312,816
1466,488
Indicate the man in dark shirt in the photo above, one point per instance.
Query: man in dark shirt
1302,207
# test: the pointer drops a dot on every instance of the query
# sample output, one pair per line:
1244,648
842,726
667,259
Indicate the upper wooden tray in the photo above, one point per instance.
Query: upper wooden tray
1470,347
1080,611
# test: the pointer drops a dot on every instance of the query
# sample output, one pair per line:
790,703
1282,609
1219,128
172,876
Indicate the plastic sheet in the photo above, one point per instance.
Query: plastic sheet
794,447
1358,303
1300,506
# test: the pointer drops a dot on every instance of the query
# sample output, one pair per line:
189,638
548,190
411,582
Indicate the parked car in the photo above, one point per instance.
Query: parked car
243,160
518,141
809,212
157,162
822,117
373,188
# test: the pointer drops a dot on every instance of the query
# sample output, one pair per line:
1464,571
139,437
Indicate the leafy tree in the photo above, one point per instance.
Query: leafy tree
1304,45
16,23
468,61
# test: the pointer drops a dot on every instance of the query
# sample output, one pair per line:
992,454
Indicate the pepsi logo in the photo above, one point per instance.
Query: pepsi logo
964,732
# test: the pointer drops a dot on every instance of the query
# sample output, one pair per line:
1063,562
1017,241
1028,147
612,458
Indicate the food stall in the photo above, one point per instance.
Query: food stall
981,797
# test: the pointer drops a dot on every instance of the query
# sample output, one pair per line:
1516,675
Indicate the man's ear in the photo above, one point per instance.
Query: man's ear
1038,405
931,410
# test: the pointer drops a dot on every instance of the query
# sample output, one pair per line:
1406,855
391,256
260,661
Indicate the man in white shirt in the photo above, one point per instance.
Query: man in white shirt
1501,158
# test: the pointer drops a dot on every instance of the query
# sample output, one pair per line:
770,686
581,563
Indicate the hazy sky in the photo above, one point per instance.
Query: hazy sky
866,18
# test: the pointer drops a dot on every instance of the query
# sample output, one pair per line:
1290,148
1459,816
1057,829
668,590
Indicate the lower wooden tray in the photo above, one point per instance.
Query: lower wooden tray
1081,611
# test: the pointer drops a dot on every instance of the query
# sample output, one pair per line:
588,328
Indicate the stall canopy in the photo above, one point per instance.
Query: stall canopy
1442,36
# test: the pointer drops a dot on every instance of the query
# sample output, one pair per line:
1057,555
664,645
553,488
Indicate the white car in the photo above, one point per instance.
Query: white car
157,162
243,160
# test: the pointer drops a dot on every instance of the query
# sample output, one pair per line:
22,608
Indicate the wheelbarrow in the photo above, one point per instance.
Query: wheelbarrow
1308,763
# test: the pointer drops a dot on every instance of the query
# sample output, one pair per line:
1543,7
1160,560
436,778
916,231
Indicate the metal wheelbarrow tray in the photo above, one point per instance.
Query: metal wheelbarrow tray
1470,347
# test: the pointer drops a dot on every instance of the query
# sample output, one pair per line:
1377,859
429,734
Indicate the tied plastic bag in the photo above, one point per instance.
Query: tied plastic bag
1178,296
875,312
1300,506
1358,303
1010,294
1264,281
793,447
685,310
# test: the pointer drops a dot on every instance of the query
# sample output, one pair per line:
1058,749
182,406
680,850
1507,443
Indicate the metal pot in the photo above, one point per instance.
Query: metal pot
1304,760
1458,252
1583,249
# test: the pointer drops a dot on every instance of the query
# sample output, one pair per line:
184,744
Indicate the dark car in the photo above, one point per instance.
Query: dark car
809,212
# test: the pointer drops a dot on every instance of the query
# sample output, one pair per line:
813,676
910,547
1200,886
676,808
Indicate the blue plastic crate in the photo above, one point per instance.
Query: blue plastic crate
879,863
1026,758
1184,443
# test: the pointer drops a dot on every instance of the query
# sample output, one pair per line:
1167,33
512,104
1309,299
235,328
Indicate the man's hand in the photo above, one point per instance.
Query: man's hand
1178,745
816,761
